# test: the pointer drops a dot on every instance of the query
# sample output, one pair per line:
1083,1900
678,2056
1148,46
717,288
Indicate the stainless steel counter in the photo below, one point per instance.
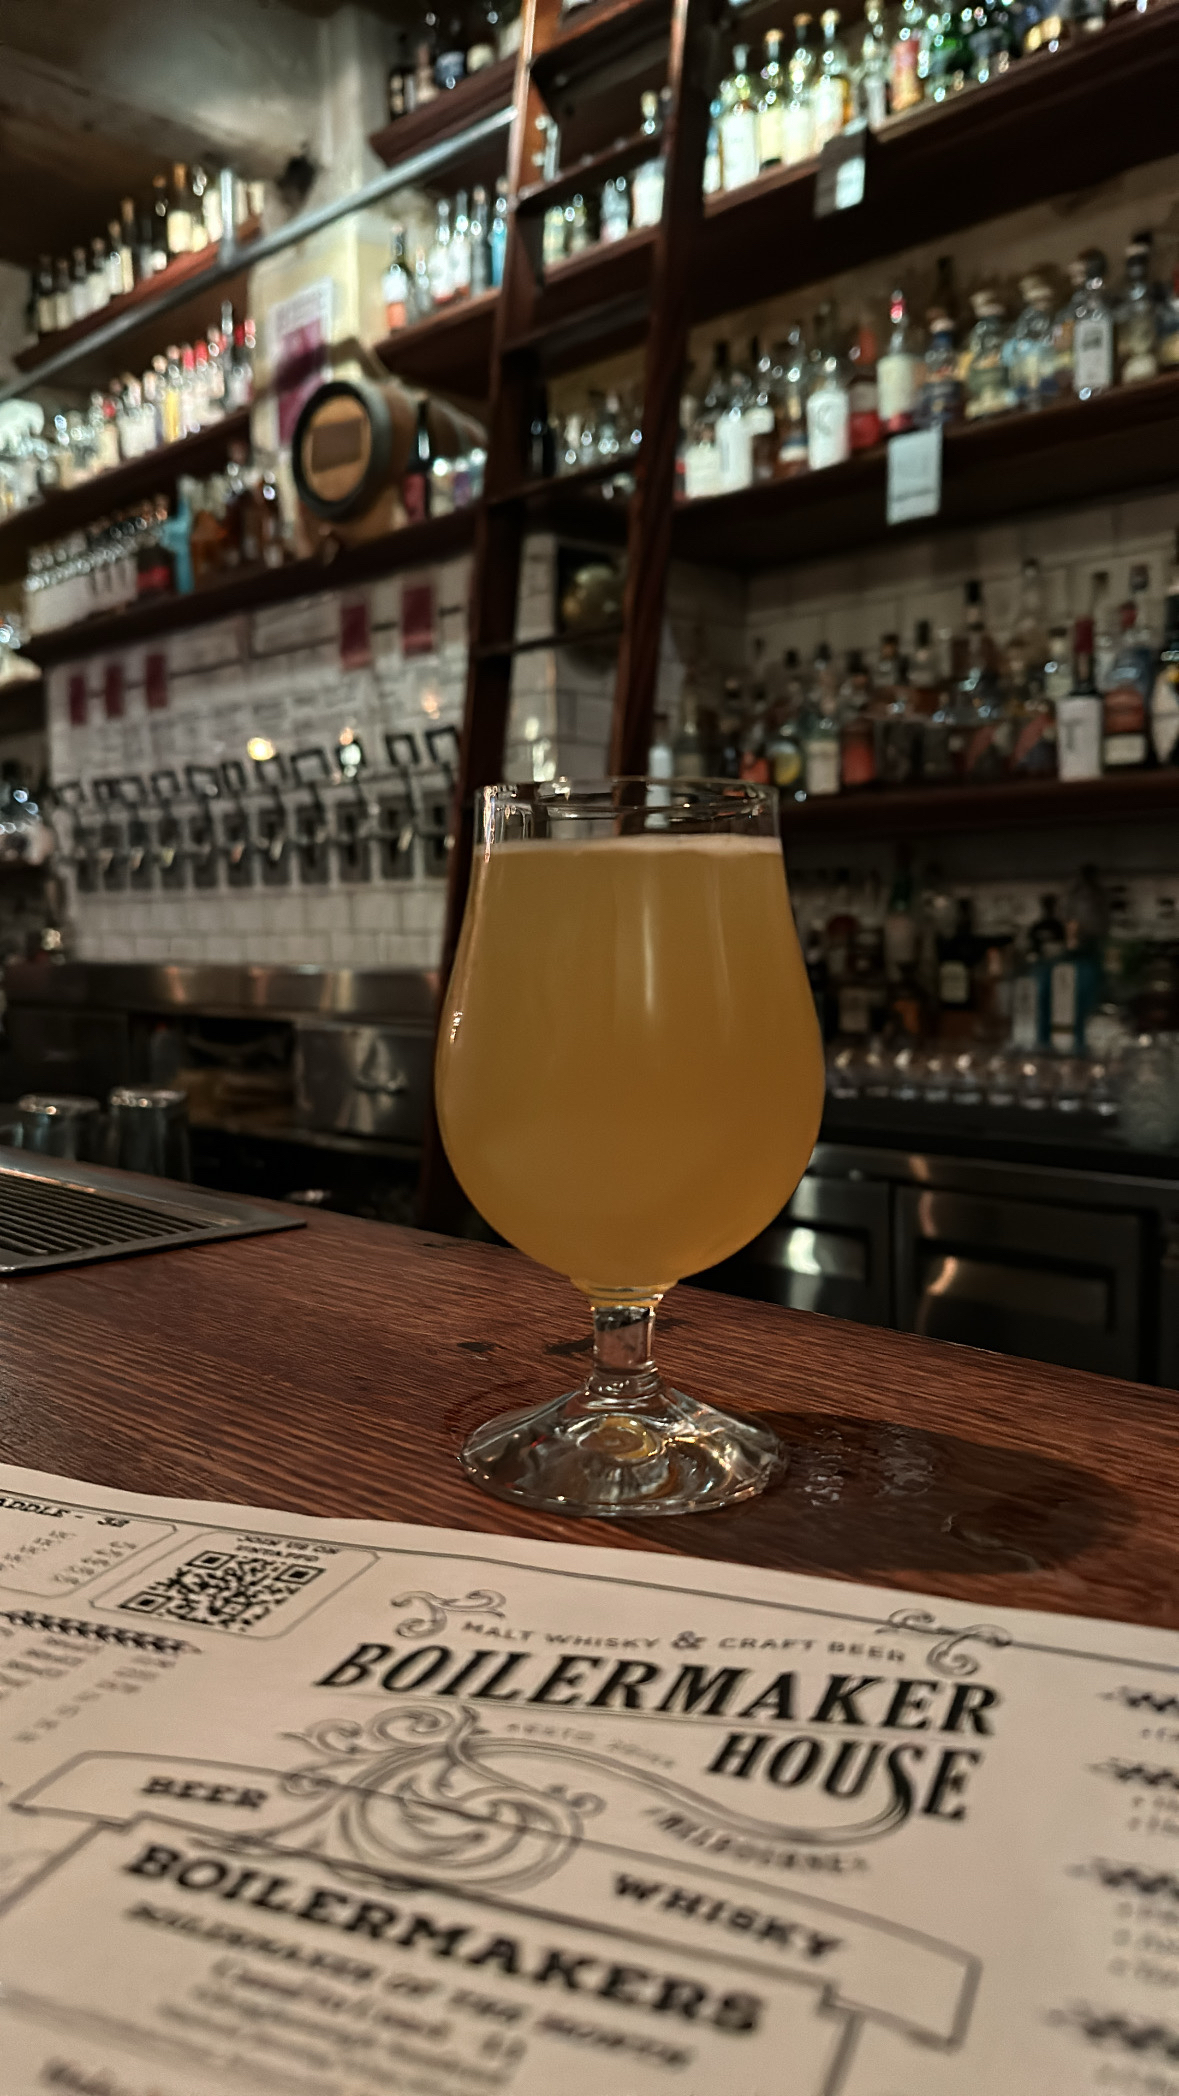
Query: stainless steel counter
167,989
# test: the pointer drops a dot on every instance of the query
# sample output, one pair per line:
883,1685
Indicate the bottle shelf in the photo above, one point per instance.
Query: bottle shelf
606,38
1058,121
449,351
69,509
917,811
438,538
454,111
192,314
1007,466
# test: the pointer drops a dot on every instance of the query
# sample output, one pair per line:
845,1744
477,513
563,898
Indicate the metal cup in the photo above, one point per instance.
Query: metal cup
148,1132
57,1124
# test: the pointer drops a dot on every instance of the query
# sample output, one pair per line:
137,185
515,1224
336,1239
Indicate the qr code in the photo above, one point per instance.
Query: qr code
227,1589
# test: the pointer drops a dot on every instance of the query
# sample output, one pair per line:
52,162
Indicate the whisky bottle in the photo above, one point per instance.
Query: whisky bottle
46,297
771,103
793,452
98,290
79,286
395,282
738,125
832,98
863,391
905,85
1079,713
1127,697
159,226
941,389
1164,701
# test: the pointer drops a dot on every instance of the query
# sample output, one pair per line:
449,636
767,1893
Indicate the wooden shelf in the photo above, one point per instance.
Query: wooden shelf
1056,122
415,545
192,316
1020,804
592,170
124,485
607,40
479,95
592,305
449,352
1004,467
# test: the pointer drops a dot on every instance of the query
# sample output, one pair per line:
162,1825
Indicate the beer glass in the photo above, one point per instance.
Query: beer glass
629,1084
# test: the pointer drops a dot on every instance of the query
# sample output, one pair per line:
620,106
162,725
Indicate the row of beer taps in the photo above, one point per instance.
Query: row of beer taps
315,817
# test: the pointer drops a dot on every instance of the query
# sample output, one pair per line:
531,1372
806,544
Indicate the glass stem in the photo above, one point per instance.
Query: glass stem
624,1376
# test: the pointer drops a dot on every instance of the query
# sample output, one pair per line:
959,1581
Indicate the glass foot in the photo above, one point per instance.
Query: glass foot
668,1454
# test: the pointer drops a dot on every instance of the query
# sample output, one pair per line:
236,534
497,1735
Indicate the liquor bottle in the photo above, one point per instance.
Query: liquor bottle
416,482
941,387
480,245
1093,332
738,125
771,103
899,372
956,958
63,299
114,262
828,417
577,231
1137,328
793,449
832,94
863,391
614,210
986,751
1164,701
181,217
451,63
239,375
688,753
1028,643
79,286
785,743
395,282
986,386
1079,715
943,55
441,281
98,290
820,744
425,86
1032,352
872,75
1125,746
159,228
798,117
761,416
497,238
647,181
46,297
460,249
857,729
905,85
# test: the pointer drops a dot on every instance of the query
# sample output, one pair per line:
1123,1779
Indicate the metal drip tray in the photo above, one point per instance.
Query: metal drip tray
54,1213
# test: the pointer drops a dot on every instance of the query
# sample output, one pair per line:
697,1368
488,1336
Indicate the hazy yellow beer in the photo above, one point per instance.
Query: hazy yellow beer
629,1074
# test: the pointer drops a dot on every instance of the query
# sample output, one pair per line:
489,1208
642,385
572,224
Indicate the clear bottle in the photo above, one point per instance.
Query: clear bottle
497,238
114,266
98,288
988,727
873,71
986,386
905,84
441,280
899,371
1029,641
798,115
1106,629
1032,350
762,415
63,300
159,223
832,102
771,102
738,124
1137,327
128,245
941,387
614,210
460,248
1079,713
1093,332
828,417
647,180
820,738
79,286
1125,743
480,244
46,303
703,475
863,390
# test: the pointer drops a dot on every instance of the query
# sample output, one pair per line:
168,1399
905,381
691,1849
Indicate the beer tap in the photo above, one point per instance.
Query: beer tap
357,825
398,820
273,825
133,793
438,833
204,786
237,845
165,787
312,829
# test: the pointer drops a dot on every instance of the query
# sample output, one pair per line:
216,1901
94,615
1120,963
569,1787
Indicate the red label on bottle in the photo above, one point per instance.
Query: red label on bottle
864,428
859,760
1125,710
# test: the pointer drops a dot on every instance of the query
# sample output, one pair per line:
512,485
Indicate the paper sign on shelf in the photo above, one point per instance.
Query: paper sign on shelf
914,475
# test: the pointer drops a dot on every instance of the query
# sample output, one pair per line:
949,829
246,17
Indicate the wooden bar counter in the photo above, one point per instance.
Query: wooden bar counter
336,1369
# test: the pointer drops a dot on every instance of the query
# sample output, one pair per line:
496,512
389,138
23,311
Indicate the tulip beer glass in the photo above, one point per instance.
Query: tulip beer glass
629,1082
